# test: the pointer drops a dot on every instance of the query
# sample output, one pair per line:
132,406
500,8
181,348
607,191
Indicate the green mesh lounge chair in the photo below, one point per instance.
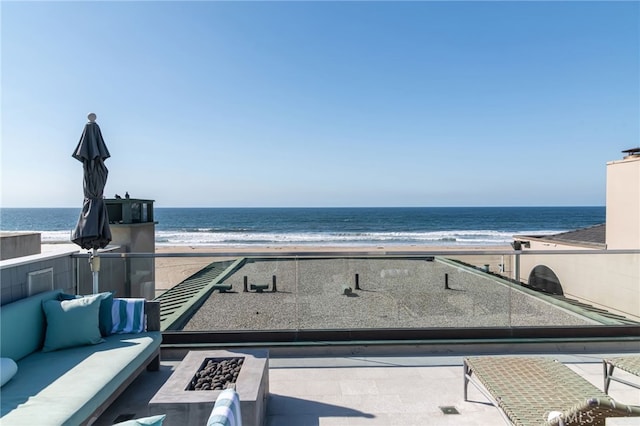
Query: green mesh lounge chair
527,389
630,364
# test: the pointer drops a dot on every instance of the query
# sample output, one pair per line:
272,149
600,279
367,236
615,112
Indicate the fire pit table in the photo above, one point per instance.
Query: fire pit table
188,396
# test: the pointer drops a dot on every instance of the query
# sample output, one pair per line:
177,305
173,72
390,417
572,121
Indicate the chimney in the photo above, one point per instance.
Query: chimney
629,153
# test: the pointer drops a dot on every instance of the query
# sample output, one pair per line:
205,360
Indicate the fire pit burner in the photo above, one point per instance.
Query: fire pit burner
216,374
186,407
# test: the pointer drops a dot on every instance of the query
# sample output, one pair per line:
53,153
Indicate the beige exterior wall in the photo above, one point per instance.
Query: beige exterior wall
608,281
623,203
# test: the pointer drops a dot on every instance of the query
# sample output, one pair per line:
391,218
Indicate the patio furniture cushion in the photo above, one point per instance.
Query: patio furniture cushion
8,369
71,323
105,322
22,325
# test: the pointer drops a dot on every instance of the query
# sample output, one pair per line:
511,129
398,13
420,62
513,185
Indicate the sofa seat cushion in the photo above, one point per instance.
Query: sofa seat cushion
65,387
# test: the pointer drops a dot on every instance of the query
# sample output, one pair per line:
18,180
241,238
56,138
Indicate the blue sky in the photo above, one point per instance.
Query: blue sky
261,104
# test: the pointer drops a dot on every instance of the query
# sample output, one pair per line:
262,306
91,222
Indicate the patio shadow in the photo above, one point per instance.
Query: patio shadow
302,412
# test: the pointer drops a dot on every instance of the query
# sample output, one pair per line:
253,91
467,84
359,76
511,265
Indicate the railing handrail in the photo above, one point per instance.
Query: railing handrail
358,253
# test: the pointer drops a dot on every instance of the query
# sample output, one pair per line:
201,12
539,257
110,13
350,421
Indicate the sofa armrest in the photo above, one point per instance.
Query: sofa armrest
152,311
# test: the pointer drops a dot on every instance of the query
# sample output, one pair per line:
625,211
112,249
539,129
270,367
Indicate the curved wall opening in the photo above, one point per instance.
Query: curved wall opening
544,279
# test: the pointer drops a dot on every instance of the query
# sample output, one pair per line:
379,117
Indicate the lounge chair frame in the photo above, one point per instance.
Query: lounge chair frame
526,389
630,364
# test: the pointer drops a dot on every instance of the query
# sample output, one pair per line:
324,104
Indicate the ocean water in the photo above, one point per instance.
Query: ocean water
237,227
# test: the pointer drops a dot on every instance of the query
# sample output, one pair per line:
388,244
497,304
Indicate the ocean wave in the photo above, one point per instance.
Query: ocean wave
473,237
208,237
49,237
231,230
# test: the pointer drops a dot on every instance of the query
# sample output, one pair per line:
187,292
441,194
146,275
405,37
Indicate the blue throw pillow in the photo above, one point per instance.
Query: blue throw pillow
105,322
71,323
144,421
8,369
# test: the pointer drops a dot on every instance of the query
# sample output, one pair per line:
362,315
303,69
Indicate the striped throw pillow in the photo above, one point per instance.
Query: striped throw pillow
226,411
127,315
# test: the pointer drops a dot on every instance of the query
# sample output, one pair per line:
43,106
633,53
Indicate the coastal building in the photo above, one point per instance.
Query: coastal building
610,281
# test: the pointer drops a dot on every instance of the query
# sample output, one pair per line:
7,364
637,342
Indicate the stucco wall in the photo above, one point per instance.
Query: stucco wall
18,244
14,274
69,274
609,281
623,203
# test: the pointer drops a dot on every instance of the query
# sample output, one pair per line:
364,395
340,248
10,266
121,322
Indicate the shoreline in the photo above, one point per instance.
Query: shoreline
328,248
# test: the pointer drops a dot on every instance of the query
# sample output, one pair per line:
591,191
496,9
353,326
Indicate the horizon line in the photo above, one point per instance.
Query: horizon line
325,207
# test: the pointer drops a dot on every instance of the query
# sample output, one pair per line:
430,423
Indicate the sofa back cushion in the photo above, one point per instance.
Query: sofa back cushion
23,326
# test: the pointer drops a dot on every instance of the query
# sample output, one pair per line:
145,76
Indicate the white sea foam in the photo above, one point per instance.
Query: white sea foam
473,237
207,237
51,237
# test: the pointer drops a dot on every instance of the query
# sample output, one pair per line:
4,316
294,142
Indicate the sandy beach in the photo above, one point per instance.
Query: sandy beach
173,270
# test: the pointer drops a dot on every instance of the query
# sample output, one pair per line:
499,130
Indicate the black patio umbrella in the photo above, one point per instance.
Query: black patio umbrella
92,231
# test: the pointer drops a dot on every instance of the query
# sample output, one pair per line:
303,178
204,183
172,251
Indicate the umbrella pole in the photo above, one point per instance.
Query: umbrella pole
94,261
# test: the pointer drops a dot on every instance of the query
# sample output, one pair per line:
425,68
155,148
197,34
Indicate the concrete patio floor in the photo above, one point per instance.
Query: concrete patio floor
368,390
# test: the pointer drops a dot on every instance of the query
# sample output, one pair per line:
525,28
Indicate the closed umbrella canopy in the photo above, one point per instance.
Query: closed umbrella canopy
92,230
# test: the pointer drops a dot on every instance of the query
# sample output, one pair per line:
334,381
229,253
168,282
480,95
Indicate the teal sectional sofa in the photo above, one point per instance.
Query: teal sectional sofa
71,386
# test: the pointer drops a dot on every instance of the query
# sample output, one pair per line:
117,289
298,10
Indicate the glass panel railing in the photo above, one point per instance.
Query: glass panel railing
397,292
171,271
243,296
112,273
303,291
601,286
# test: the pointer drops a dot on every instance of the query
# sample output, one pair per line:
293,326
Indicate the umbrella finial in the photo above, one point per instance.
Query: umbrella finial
92,117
